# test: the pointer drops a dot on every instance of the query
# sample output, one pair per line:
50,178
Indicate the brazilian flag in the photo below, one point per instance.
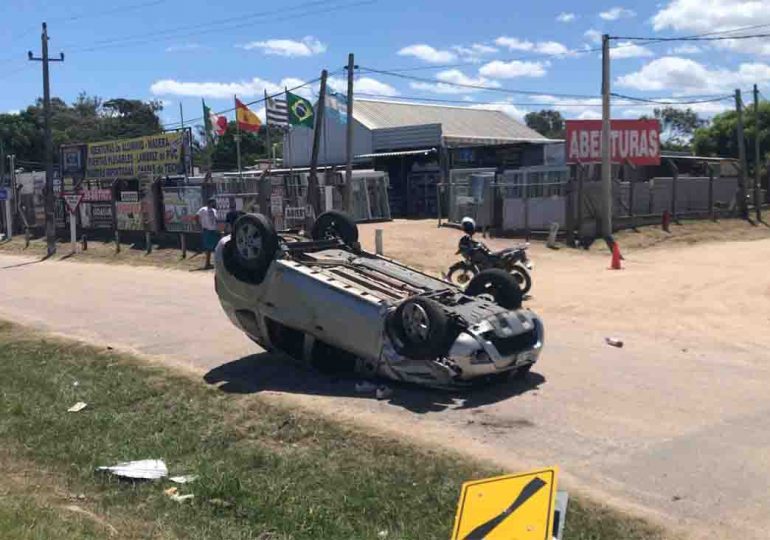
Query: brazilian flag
300,110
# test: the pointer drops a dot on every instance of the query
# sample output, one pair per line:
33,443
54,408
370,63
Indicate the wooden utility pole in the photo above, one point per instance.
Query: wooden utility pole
50,226
742,208
348,189
267,133
606,150
237,138
757,202
312,188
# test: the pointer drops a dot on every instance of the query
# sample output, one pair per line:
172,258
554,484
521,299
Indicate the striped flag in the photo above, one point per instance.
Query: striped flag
276,111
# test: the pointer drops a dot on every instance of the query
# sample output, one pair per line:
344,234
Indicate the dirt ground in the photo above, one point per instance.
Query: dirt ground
673,426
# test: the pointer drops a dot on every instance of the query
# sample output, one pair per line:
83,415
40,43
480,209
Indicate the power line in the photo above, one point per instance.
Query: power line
706,38
475,86
475,102
172,125
691,102
222,24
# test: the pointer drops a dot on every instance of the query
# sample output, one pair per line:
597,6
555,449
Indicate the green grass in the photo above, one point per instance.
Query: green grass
266,472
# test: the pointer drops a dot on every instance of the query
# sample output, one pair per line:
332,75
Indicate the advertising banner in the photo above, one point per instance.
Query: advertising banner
150,156
180,205
129,216
634,141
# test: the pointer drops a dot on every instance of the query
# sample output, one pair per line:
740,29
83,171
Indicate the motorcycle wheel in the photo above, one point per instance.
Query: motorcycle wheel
461,274
522,277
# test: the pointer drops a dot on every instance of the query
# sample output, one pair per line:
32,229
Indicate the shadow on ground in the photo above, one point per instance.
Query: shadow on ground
267,372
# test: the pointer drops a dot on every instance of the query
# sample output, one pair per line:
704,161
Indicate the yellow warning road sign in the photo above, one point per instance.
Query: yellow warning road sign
512,507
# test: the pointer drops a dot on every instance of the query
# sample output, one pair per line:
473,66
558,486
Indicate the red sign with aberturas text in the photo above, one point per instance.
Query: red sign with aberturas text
632,141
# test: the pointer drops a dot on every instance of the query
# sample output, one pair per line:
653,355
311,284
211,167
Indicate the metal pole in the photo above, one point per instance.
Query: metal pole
349,137
181,115
50,226
312,188
238,139
742,208
606,150
712,213
267,135
757,202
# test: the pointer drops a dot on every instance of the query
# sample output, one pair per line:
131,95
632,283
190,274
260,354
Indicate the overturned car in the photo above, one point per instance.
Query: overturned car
325,297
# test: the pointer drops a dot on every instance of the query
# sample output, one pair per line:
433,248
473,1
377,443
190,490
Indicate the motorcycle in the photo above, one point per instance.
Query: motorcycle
478,257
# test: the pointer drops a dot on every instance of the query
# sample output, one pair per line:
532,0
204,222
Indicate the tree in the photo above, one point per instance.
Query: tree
548,123
223,154
88,119
677,127
719,137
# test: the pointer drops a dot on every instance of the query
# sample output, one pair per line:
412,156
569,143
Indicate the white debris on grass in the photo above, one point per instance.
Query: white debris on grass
173,494
145,469
183,479
77,407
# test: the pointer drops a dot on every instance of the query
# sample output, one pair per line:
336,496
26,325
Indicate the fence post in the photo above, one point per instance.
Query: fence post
378,241
117,241
183,244
148,242
569,207
580,175
674,182
439,189
526,204
712,212
631,177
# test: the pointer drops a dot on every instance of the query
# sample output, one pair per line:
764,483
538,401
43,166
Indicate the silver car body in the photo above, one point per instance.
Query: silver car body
343,298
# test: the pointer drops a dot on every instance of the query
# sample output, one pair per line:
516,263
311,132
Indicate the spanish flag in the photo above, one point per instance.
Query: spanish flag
247,120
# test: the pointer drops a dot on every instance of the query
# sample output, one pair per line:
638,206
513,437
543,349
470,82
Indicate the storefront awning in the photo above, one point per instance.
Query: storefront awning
422,152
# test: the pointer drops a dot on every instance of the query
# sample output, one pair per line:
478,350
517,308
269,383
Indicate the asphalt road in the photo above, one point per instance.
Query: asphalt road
674,426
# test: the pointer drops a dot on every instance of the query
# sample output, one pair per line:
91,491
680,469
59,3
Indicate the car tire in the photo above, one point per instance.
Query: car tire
498,283
420,329
251,248
522,277
334,224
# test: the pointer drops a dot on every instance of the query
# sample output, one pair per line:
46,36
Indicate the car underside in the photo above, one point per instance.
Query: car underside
327,298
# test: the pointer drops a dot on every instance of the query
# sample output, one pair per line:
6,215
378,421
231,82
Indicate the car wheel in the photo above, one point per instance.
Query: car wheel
498,284
420,328
522,277
334,224
251,248
461,274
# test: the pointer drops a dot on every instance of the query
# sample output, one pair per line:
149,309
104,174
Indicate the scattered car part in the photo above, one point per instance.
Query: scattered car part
77,407
499,284
145,469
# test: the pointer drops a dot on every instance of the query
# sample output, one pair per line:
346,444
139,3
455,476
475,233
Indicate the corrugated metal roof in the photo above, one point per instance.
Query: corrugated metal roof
423,151
461,125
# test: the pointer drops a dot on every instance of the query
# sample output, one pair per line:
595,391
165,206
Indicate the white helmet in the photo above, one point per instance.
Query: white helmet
468,225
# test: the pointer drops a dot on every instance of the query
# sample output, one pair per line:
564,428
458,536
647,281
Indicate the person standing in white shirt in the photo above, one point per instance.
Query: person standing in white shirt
207,218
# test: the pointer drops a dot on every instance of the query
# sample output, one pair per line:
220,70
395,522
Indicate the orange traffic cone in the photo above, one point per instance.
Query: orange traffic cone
615,264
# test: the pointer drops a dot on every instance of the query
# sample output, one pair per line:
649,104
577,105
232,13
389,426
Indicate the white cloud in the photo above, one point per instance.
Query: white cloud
615,13
514,44
627,49
685,49
552,48
449,78
427,53
565,17
184,47
683,76
308,46
711,15
504,106
513,69
542,47
224,90
365,85
593,35
474,52
13,111
714,16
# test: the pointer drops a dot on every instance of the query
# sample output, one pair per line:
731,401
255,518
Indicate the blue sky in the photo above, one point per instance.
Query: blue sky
180,51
